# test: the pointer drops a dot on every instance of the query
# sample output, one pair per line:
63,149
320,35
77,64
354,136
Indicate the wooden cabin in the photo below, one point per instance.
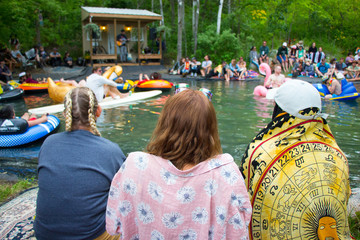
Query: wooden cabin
111,21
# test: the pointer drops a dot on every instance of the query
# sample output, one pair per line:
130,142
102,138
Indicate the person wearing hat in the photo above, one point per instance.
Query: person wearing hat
301,53
309,68
296,175
55,58
281,56
22,77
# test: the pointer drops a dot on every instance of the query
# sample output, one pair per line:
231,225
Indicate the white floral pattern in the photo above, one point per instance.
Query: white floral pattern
135,237
113,192
172,220
211,232
156,235
200,215
229,175
185,194
211,187
125,207
122,168
237,200
236,221
220,213
155,192
144,213
129,186
141,162
214,163
168,177
188,234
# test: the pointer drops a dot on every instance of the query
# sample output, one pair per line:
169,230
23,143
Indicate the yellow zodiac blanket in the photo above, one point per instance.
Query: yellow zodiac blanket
298,181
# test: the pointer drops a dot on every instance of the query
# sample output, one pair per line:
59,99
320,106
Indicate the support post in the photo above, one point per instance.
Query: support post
139,42
115,43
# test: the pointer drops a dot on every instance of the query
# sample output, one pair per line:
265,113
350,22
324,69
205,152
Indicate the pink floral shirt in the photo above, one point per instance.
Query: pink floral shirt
150,198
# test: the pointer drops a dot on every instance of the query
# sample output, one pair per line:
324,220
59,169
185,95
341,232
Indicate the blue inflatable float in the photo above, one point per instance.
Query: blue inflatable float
348,91
30,135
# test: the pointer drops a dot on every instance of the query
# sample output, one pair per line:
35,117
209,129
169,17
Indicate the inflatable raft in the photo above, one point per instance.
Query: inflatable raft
148,85
14,132
35,87
125,87
11,95
348,91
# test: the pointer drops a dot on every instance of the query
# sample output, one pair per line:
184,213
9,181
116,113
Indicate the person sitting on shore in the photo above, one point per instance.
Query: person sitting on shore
292,56
102,86
5,73
175,68
75,170
253,55
298,68
68,60
276,79
301,52
44,57
341,65
185,69
222,71
264,52
206,66
309,68
55,58
194,67
322,68
182,187
233,69
353,70
281,56
349,59
8,112
243,70
312,51
319,56
332,85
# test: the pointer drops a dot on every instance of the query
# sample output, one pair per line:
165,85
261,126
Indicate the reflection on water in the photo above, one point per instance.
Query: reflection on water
240,118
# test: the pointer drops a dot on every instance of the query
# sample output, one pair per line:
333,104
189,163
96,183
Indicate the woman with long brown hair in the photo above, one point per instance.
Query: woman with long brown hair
75,172
183,187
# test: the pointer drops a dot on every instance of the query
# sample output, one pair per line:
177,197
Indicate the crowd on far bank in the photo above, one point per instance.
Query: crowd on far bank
294,59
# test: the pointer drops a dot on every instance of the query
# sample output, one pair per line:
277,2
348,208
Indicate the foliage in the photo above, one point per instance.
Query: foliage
354,224
331,24
9,189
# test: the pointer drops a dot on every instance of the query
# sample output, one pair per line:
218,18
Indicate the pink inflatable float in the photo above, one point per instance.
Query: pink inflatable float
261,90
265,70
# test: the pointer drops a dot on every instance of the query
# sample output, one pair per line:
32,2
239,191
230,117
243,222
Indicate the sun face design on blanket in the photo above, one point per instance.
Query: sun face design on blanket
298,181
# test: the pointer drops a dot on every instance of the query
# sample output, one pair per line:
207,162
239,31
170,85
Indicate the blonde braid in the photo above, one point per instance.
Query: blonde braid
68,111
91,114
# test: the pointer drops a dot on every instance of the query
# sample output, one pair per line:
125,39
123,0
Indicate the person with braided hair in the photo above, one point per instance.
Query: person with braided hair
74,174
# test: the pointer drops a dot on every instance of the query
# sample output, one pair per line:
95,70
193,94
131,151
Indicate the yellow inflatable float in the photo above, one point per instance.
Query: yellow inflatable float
297,176
57,92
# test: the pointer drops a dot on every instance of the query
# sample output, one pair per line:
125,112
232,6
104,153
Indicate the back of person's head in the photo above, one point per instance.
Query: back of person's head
95,69
155,76
7,112
186,132
80,110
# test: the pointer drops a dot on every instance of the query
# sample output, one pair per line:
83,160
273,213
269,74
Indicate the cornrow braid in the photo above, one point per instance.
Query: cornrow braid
80,108
68,111
91,113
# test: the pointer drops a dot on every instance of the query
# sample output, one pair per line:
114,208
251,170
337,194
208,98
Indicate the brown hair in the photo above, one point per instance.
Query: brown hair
95,69
80,109
186,132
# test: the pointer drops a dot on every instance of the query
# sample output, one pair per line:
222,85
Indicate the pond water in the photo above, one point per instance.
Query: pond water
240,117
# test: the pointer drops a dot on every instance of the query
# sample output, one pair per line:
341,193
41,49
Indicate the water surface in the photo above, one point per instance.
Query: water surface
240,117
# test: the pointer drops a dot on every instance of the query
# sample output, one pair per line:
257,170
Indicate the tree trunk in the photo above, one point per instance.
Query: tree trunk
229,6
219,17
162,17
172,6
193,17
196,25
180,29
184,28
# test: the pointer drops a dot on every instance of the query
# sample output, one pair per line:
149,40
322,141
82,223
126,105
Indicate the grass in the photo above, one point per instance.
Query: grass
9,190
354,224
